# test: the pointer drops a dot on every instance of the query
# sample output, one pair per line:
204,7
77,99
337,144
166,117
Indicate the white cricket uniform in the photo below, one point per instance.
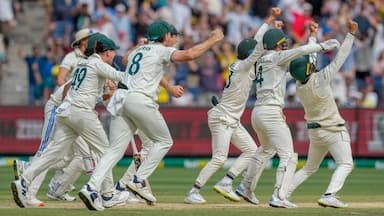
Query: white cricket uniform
139,110
224,118
146,145
80,151
320,107
76,116
74,160
268,119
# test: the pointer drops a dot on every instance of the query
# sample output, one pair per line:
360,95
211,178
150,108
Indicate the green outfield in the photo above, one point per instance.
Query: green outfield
364,191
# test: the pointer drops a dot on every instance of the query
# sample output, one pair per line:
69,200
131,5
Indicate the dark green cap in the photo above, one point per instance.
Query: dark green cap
272,38
158,29
300,68
104,44
92,43
245,48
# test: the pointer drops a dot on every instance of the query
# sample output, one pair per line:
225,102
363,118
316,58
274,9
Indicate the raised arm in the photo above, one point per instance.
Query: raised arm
275,12
286,56
343,52
197,50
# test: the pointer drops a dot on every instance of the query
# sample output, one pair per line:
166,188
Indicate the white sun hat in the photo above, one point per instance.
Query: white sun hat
81,34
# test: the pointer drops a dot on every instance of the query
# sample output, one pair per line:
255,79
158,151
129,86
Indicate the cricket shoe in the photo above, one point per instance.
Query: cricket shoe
18,168
194,197
247,194
117,198
91,198
63,197
34,202
331,201
226,190
280,203
19,191
140,188
132,198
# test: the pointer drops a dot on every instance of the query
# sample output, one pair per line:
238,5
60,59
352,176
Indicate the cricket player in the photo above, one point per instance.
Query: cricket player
73,162
224,119
326,128
268,119
76,117
139,110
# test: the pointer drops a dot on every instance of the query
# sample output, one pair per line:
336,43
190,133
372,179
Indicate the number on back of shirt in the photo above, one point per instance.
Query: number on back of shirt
229,80
134,66
259,77
78,78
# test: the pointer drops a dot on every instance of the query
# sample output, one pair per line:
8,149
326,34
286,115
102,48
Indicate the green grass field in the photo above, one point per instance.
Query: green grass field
364,191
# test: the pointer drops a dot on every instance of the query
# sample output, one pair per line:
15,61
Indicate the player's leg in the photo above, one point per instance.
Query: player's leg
101,179
316,153
221,134
146,144
48,127
62,141
151,122
340,149
280,137
245,143
63,179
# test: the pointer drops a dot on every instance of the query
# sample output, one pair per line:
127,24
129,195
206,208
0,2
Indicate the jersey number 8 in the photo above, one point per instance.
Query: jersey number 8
135,64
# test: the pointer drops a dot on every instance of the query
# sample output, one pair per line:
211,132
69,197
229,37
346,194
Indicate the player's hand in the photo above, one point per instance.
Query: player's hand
352,26
275,12
330,44
278,24
176,91
217,34
313,28
111,85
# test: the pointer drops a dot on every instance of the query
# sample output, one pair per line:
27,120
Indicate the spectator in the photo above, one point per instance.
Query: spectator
36,63
369,98
211,80
123,27
62,19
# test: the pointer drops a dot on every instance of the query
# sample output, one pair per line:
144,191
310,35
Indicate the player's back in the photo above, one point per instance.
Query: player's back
270,80
236,90
86,84
146,67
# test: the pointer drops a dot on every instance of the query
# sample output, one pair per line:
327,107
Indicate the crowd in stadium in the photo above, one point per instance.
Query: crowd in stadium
360,82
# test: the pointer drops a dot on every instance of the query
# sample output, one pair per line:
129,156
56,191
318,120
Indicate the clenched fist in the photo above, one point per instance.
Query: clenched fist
352,26
313,27
275,11
217,35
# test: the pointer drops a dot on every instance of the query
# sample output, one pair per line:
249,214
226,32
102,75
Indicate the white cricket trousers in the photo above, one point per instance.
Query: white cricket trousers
146,145
322,141
79,122
224,131
274,136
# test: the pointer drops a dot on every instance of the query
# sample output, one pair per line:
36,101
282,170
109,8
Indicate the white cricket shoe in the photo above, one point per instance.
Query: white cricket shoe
117,198
247,194
331,201
19,191
141,189
63,197
132,198
18,168
279,203
194,197
226,190
34,202
91,198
